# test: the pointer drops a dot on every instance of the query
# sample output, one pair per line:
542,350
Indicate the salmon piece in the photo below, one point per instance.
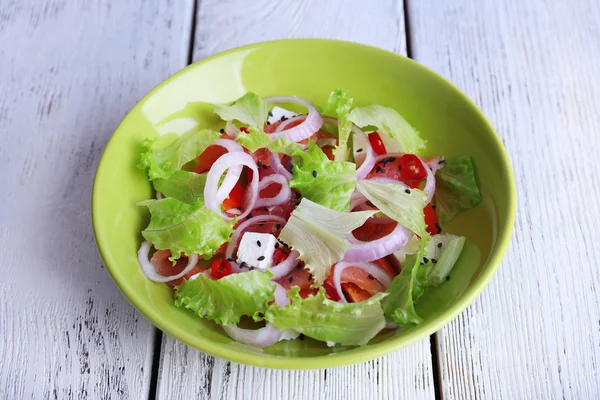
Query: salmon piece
354,294
162,264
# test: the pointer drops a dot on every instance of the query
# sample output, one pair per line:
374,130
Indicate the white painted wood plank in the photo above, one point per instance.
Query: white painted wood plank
534,68
69,71
187,373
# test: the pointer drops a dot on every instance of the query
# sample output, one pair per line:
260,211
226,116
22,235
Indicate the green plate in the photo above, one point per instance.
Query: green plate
309,69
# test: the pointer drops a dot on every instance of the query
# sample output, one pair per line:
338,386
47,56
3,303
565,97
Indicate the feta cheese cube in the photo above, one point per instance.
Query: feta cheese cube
257,249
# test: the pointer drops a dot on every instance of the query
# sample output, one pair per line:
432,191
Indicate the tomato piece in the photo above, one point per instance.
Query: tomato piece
358,277
270,191
220,268
304,293
431,220
328,152
235,199
376,143
330,291
354,294
384,264
280,255
411,168
244,129
164,266
208,157
372,231
298,277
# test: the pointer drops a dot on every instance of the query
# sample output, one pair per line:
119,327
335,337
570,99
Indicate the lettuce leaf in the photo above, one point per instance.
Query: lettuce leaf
185,228
319,235
226,300
339,106
391,124
406,288
328,183
164,162
350,324
249,109
398,202
254,140
456,188
182,185
285,146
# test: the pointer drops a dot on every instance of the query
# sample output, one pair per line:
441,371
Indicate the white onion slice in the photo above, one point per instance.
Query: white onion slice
241,227
233,175
379,248
430,183
231,130
286,266
149,270
435,163
369,268
288,121
311,124
268,335
227,161
278,167
284,193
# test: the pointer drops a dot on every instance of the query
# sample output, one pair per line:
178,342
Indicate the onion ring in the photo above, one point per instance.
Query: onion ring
311,124
284,193
374,250
369,268
149,270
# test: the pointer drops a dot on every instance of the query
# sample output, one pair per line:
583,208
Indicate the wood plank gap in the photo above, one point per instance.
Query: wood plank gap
436,367
192,42
155,363
407,33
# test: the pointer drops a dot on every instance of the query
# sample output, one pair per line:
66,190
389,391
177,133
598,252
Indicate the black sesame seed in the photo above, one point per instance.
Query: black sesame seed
310,277
439,227
441,161
290,279
439,245
231,259
243,265
359,150
222,130
249,216
433,260
270,114
278,226
392,159
433,207
407,191
276,245
268,123
371,277
239,208
258,243
301,337
379,170
298,266
283,118
265,166
425,260
251,269
266,209
448,278
261,224
259,164
314,173
261,258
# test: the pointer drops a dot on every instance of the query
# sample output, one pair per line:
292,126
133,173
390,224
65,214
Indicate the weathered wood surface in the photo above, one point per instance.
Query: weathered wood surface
69,71
534,68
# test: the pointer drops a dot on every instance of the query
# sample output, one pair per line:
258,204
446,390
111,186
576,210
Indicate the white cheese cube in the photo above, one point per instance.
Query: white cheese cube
278,112
257,249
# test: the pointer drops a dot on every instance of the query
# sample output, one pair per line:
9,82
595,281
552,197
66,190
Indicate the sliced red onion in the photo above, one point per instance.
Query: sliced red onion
268,335
285,123
369,268
231,130
149,270
227,161
379,248
356,199
278,167
430,183
311,124
286,266
241,227
284,193
233,175
233,211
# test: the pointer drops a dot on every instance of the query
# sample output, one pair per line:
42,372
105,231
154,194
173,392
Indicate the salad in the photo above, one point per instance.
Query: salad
326,223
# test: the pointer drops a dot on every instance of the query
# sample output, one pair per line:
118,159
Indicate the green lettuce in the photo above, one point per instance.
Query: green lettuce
182,185
350,324
319,235
398,202
339,106
165,161
257,139
390,124
285,146
456,188
326,182
185,228
406,288
227,299
250,109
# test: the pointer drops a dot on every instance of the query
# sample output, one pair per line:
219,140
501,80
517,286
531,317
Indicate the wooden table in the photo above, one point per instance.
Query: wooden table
70,70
